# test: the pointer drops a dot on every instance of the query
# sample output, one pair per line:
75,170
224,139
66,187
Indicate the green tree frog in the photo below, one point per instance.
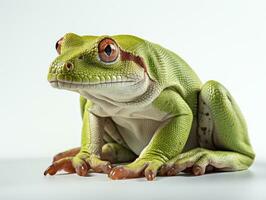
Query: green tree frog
143,105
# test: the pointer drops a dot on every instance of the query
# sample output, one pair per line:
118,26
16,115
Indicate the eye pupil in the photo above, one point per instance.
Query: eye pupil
108,50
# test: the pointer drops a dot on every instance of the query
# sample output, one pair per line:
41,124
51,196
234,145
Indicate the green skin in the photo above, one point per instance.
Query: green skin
204,132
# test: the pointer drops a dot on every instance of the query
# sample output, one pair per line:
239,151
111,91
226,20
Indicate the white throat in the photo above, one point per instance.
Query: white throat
140,93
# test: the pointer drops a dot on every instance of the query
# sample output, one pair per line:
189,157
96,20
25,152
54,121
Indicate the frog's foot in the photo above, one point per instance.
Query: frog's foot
200,161
194,161
138,168
80,164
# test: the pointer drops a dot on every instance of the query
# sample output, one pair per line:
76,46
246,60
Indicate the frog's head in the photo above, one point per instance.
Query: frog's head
100,65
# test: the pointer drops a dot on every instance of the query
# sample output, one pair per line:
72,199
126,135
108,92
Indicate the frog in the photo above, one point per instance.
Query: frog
145,112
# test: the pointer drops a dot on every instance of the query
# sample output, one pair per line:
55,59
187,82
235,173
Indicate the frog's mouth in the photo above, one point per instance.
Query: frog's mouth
96,82
120,90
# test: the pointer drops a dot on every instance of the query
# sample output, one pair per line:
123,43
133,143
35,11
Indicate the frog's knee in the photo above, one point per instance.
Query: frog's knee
214,94
212,88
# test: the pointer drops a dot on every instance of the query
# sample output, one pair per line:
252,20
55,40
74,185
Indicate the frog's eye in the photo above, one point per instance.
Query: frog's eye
108,50
58,45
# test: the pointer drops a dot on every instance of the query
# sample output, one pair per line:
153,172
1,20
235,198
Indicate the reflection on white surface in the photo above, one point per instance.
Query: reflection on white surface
23,179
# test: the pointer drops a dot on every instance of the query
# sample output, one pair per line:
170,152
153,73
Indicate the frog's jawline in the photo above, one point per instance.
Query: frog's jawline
84,85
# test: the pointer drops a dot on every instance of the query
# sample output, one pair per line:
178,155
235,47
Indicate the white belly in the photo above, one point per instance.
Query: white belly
137,133
136,126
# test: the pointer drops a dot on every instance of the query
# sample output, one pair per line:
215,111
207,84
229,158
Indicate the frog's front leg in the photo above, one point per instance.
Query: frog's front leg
167,142
89,154
231,147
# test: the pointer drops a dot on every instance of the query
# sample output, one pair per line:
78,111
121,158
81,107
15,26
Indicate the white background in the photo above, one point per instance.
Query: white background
221,40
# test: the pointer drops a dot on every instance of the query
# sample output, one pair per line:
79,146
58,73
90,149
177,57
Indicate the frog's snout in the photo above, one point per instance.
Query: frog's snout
58,70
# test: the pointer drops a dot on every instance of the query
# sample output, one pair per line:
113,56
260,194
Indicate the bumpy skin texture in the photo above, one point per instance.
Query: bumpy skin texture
142,104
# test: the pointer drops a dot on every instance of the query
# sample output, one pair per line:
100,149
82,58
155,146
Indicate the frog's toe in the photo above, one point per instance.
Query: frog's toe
138,168
125,172
98,165
150,174
196,162
122,172
80,165
65,154
63,164
165,168
68,164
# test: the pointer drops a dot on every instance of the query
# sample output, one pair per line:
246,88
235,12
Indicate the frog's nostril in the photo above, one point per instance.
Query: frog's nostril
68,66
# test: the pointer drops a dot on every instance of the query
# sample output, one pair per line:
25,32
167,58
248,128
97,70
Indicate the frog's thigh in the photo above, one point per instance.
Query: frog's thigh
229,126
227,129
223,137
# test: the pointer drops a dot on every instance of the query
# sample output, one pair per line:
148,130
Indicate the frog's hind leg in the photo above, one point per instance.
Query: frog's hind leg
223,136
